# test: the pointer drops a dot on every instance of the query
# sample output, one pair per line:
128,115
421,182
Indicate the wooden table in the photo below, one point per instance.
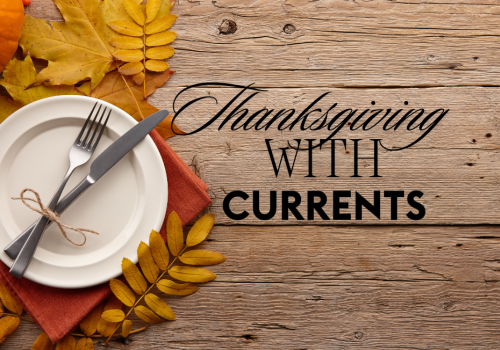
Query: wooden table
370,284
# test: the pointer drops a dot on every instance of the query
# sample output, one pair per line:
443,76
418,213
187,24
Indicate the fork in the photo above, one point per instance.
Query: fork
81,151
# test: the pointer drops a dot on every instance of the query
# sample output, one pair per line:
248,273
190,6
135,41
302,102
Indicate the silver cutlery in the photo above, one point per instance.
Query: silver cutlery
29,239
80,152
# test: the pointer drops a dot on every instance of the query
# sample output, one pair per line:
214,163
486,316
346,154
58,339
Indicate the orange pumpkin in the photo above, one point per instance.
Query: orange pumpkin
11,23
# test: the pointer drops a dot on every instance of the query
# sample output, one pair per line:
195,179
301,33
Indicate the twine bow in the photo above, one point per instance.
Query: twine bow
52,216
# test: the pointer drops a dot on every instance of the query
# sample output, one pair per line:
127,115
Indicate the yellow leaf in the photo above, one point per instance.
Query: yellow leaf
160,307
172,288
129,55
85,344
138,79
152,8
134,277
158,250
147,315
8,324
156,66
134,11
161,24
67,343
160,52
161,38
191,274
175,237
126,327
9,106
122,292
148,265
89,323
113,315
126,42
131,68
8,300
42,343
126,28
104,327
18,77
202,257
200,230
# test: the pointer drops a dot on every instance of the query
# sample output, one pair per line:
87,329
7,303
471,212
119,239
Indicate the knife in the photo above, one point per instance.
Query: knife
23,247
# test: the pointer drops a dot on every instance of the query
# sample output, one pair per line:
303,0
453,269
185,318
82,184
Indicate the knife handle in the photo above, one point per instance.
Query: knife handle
14,247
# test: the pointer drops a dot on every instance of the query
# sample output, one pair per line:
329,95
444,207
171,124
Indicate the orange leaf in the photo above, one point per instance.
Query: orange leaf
126,327
89,323
42,343
8,300
8,324
67,343
114,90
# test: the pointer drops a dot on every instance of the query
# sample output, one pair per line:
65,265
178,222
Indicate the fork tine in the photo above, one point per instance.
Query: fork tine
100,132
84,141
87,145
85,125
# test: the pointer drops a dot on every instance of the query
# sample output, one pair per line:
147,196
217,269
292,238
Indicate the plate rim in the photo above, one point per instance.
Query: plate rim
162,205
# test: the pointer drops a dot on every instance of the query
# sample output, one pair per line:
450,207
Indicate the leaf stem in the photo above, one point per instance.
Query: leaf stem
16,315
112,335
146,292
131,94
144,59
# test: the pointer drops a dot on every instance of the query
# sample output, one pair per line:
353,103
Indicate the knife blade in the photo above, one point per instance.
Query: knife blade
23,247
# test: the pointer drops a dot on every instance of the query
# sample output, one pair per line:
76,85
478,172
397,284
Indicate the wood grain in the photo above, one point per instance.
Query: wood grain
311,285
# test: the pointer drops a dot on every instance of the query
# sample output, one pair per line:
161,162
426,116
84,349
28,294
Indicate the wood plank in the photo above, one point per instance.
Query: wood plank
336,288
335,43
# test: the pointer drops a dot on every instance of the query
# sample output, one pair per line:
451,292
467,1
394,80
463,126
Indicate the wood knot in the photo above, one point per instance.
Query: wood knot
289,28
227,27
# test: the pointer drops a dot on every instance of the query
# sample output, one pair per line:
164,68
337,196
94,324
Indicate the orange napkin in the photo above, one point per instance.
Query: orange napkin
58,311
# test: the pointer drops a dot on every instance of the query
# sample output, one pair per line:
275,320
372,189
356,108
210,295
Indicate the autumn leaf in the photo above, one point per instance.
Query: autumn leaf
8,300
104,327
126,327
175,238
172,288
114,89
85,344
202,257
160,307
146,315
134,277
200,230
191,274
158,250
89,323
18,77
9,106
8,324
42,343
113,316
67,343
122,292
148,266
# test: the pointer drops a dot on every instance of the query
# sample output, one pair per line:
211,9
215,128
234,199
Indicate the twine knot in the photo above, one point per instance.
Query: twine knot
52,216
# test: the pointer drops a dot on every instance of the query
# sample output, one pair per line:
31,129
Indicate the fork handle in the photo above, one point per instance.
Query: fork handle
15,247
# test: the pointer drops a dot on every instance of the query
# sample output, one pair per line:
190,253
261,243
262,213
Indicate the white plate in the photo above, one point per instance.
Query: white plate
123,206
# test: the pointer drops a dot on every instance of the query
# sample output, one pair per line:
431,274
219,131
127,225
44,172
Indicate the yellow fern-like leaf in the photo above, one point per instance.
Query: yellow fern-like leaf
160,52
134,11
161,38
160,307
139,78
85,344
126,42
200,230
126,28
89,323
172,288
134,277
156,66
191,274
126,327
104,327
42,342
158,250
122,292
8,300
129,55
67,343
175,237
202,257
131,68
160,24
146,315
148,265
8,324
152,8
113,315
